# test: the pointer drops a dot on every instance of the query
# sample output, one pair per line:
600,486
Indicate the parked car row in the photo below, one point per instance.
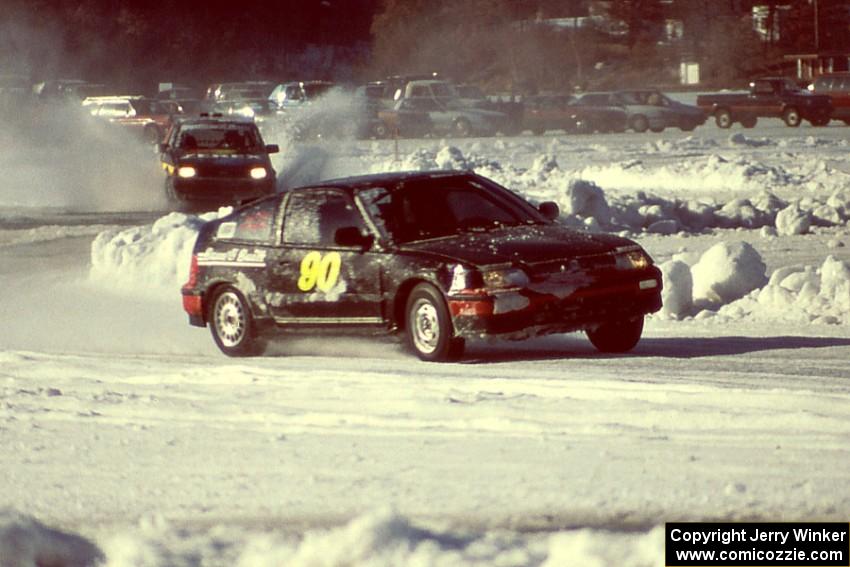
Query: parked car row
428,105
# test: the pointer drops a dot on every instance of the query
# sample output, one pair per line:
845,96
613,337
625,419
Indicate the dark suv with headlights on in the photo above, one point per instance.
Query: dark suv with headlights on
438,257
212,161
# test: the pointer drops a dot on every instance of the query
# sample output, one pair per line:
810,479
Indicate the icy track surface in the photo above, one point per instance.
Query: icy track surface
131,441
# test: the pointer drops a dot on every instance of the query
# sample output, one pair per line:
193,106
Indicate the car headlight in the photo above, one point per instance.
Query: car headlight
510,278
635,259
259,173
186,171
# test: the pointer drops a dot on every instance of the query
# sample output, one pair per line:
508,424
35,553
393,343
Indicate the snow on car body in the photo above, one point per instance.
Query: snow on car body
214,161
439,256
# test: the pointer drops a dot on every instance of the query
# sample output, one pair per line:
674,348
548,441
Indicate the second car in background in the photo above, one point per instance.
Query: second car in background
212,161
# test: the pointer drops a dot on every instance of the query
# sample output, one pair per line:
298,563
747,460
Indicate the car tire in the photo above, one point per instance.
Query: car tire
152,134
639,123
538,131
428,325
657,129
723,118
687,126
231,323
791,116
616,336
462,127
749,122
819,122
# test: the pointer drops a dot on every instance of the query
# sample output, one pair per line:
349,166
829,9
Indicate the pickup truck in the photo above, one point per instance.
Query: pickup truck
769,97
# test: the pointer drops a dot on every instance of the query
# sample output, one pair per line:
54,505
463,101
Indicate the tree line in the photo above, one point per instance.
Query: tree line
509,45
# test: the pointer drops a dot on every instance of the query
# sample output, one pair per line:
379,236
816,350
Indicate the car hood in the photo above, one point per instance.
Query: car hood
518,245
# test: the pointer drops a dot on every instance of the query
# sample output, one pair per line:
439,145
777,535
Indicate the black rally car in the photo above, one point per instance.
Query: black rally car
439,256
212,160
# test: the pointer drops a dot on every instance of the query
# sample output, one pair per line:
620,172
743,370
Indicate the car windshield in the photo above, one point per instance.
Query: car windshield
227,137
444,206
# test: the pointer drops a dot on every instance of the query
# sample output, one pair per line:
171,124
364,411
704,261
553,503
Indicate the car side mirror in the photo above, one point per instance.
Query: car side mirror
163,147
272,148
549,210
352,236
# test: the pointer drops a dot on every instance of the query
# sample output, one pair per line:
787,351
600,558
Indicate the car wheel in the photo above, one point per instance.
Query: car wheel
687,126
538,131
820,122
723,119
791,116
152,134
231,323
749,122
616,336
462,127
429,326
657,129
639,124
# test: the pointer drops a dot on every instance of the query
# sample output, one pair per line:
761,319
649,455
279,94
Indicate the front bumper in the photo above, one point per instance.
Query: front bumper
527,313
221,190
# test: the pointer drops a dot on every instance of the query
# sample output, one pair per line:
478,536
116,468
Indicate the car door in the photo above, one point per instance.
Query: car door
764,99
316,281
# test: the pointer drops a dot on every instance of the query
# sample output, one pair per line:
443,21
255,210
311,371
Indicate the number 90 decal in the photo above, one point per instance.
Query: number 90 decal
321,272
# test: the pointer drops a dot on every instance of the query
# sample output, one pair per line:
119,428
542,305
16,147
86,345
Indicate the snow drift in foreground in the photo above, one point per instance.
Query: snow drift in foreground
156,254
379,539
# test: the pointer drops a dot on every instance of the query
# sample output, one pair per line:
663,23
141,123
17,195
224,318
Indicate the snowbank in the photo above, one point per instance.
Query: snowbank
148,259
710,191
727,271
807,294
728,281
378,539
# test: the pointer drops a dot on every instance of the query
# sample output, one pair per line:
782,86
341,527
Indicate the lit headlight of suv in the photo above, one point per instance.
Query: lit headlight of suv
505,279
186,171
258,173
632,259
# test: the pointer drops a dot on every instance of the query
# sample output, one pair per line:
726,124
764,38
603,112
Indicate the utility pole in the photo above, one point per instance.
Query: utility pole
817,37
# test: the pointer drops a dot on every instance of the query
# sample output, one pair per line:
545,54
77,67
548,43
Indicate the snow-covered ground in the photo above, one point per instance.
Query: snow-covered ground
131,441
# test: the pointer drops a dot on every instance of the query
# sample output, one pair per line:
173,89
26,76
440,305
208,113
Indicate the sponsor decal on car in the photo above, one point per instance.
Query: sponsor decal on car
237,257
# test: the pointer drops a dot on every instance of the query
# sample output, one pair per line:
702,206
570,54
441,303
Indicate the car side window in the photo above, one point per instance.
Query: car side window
313,217
255,223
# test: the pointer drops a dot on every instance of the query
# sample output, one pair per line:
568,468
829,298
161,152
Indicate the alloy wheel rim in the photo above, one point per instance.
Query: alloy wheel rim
229,319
